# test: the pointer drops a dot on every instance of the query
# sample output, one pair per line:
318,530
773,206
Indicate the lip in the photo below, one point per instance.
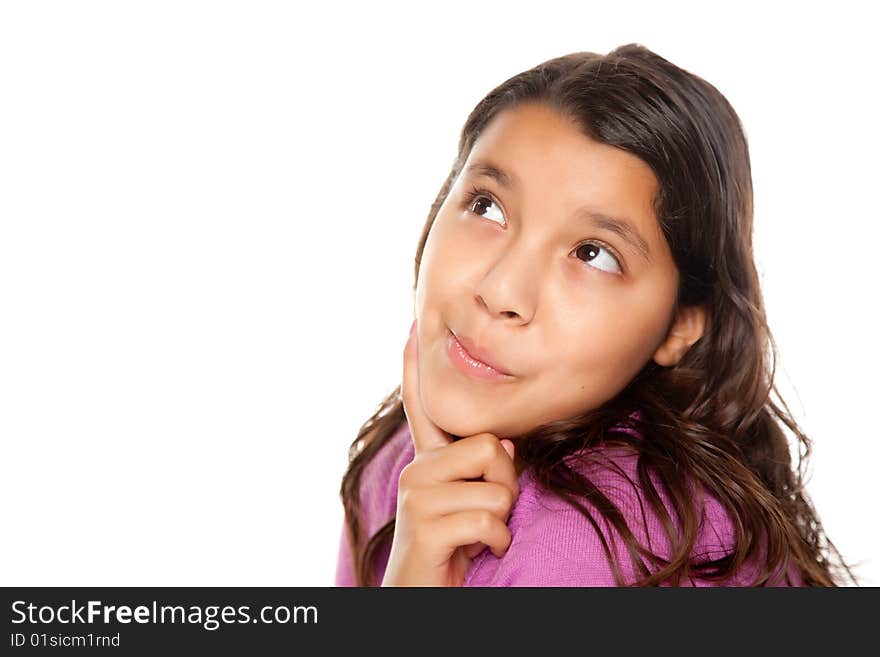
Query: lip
467,362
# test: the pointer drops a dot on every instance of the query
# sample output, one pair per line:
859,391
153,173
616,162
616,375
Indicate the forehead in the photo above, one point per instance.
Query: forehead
546,153
540,157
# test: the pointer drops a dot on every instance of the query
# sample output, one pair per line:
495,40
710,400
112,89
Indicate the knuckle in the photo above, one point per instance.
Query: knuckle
489,446
407,499
502,500
411,500
484,521
504,540
407,475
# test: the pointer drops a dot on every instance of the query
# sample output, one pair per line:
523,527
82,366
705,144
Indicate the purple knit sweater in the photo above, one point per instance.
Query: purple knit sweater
552,543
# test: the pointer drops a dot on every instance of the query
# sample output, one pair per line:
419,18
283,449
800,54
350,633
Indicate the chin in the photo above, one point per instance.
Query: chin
465,419
456,418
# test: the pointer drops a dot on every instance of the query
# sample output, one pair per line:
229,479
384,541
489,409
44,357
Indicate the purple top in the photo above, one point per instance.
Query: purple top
552,543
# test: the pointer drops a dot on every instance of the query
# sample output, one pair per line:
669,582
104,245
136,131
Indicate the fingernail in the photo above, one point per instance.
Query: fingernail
412,328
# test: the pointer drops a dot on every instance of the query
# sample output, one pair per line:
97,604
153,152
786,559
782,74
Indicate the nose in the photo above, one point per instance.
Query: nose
509,289
508,314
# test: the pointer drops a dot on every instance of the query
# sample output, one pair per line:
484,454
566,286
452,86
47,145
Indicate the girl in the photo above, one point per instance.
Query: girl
585,396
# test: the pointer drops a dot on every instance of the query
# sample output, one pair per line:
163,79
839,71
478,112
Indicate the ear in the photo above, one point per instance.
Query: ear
687,327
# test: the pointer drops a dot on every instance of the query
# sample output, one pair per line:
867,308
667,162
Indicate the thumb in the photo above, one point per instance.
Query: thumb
508,446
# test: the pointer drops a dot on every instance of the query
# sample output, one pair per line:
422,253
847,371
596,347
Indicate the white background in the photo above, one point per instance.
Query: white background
208,217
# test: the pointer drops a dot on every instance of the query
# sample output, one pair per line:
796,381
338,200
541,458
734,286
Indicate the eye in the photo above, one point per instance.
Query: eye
479,200
594,250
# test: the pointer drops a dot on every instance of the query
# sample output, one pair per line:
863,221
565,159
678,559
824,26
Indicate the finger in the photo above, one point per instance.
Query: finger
467,527
426,435
507,444
479,456
456,496
472,550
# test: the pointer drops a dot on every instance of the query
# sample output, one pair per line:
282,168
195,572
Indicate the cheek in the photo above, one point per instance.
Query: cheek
430,283
596,354
445,264
602,350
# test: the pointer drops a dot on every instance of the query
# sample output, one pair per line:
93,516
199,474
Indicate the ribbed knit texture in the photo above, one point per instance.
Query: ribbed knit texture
552,543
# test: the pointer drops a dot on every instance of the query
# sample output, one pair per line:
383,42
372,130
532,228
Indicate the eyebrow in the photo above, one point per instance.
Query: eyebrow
621,227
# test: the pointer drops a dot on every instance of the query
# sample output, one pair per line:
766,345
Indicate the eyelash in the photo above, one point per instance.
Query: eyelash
476,192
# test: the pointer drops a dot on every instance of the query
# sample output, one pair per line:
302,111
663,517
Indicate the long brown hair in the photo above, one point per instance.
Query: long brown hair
710,417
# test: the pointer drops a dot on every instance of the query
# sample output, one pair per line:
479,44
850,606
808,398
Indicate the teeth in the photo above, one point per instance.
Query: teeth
475,363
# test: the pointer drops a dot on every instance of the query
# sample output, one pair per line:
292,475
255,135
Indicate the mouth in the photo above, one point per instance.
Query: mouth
468,364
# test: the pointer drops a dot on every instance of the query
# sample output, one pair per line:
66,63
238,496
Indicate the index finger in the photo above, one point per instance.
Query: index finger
425,434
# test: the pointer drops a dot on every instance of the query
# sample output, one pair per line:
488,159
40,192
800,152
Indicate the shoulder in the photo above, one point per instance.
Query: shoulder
557,542
615,472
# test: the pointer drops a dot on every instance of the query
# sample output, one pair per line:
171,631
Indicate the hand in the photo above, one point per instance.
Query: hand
443,520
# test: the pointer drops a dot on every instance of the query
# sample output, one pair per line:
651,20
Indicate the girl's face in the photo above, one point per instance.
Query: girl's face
555,267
